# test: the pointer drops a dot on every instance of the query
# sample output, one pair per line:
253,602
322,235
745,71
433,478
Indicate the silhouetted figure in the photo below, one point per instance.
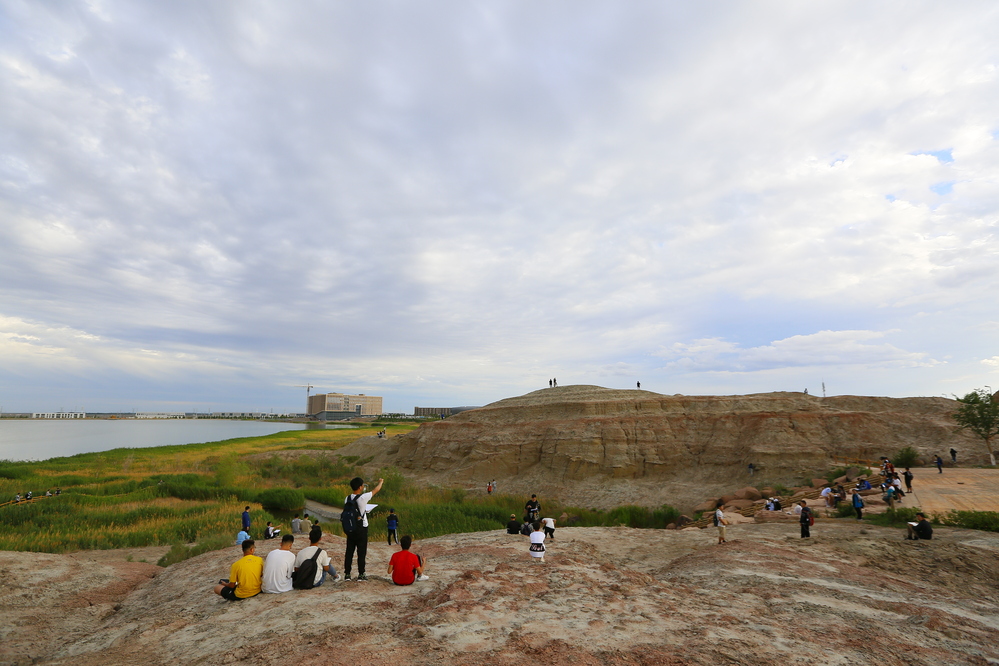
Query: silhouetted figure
953,455
554,382
549,383
638,384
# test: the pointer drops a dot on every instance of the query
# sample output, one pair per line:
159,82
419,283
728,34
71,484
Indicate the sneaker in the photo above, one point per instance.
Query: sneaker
423,577
362,577
337,577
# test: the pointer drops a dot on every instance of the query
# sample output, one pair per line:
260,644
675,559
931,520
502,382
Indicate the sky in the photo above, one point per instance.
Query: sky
211,206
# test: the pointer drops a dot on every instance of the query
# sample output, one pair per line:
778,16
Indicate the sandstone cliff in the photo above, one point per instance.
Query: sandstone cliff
578,438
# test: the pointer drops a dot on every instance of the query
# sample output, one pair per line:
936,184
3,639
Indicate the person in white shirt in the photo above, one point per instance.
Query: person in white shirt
278,567
358,539
324,564
721,523
548,524
826,494
537,548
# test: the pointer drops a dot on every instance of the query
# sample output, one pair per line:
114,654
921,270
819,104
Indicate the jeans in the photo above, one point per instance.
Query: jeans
322,578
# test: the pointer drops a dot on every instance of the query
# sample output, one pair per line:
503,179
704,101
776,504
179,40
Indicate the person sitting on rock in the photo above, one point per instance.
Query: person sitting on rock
270,532
532,510
278,567
324,563
513,525
296,525
242,537
921,529
306,524
777,506
527,528
863,484
245,575
404,566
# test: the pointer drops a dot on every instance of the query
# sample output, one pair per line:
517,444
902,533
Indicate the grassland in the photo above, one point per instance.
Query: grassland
195,493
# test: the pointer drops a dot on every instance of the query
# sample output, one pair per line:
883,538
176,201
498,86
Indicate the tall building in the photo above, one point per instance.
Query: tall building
330,406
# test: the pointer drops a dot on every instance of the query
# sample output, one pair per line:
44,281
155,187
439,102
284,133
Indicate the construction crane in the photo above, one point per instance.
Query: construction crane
307,387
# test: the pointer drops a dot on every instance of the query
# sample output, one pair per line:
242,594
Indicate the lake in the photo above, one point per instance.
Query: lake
37,439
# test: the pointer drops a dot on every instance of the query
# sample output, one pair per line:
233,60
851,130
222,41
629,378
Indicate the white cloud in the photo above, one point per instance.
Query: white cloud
466,200
825,348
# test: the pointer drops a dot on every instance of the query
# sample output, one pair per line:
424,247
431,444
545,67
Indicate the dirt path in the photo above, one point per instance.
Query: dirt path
957,488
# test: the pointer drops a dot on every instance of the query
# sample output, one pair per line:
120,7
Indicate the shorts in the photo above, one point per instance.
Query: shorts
229,594
721,532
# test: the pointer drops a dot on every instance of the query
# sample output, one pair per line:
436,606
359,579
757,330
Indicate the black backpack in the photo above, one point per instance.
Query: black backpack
350,517
305,577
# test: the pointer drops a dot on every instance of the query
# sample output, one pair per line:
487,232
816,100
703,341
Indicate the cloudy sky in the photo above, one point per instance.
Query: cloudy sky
204,205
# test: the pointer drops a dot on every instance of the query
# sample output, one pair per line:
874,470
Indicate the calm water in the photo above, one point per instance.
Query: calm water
28,439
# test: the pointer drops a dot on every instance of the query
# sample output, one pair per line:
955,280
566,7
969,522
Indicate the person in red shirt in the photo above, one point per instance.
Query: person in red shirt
406,567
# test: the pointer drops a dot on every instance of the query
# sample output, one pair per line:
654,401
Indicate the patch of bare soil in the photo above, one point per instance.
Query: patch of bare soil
850,594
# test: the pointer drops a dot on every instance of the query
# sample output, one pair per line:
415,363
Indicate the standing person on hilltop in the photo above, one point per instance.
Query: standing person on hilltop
246,519
392,524
638,385
858,504
554,382
720,523
532,510
355,506
806,519
549,383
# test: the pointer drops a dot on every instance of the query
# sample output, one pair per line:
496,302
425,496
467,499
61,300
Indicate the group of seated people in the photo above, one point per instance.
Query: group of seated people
773,504
250,575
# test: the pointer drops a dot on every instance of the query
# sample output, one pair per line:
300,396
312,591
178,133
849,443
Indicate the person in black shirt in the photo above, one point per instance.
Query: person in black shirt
532,510
513,526
921,530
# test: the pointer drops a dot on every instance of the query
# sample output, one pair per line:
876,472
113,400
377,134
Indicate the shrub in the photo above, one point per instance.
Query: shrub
834,474
987,521
905,457
179,552
845,510
282,499
893,517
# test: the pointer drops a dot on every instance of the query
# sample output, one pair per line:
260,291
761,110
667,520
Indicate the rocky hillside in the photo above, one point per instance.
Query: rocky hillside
576,441
849,595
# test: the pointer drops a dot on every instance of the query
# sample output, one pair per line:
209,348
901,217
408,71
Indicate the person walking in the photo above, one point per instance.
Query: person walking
953,455
907,475
806,519
752,469
939,463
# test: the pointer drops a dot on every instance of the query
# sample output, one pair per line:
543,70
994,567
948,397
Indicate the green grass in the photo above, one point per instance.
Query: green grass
195,493
897,517
987,521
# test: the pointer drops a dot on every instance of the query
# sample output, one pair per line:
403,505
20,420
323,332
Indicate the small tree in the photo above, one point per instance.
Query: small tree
979,413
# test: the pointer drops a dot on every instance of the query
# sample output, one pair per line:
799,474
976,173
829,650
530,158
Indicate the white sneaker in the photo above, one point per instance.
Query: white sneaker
337,577
423,577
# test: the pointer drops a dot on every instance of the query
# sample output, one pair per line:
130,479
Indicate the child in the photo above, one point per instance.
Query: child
393,526
406,567
538,543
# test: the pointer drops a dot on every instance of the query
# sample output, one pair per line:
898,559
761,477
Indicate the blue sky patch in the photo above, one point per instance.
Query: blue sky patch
943,188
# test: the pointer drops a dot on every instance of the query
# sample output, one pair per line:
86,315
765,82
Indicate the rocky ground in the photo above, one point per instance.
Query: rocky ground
850,594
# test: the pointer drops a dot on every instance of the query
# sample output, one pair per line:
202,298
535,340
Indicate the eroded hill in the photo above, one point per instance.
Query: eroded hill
582,442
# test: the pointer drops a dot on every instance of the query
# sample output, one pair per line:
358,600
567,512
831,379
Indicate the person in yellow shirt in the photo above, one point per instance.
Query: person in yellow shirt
244,576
